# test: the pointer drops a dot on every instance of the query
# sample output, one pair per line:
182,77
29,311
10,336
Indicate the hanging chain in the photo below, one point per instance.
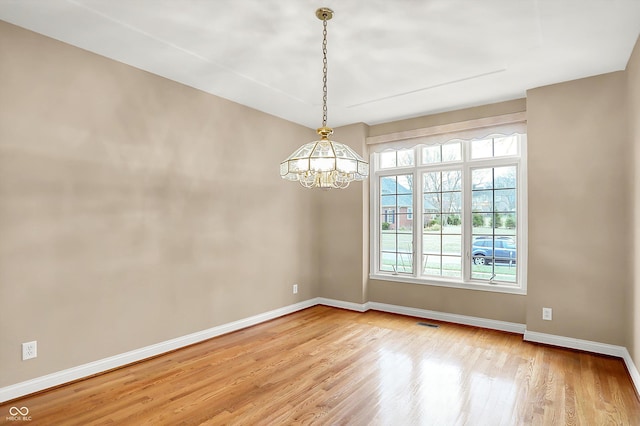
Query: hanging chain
324,72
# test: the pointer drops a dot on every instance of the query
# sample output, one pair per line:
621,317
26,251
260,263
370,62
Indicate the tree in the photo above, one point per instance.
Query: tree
497,220
478,220
510,222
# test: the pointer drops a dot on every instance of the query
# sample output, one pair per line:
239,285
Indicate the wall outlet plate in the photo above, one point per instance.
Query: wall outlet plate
547,314
295,289
29,350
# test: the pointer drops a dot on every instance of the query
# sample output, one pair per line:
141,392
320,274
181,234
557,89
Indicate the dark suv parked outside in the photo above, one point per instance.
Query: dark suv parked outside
484,253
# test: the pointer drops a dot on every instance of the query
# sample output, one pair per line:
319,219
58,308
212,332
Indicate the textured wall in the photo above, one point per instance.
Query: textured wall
580,199
343,244
633,90
134,209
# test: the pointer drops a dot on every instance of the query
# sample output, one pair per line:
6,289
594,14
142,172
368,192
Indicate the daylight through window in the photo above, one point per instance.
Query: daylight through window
451,213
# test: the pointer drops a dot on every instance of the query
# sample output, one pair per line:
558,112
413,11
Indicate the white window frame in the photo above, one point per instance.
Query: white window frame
466,165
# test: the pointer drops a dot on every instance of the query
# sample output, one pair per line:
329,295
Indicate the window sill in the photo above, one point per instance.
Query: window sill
495,288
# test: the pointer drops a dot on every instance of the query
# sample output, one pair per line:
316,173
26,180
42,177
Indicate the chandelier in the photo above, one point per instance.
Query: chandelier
324,163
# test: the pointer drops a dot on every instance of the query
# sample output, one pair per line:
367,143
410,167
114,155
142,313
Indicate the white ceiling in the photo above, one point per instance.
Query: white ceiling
387,59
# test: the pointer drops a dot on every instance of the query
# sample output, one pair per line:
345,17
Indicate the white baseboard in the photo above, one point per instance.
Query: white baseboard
61,377
588,346
633,370
58,378
571,343
454,318
358,307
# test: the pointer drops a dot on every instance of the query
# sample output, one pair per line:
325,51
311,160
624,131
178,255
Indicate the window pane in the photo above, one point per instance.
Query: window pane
509,224
388,261
396,262
405,263
431,244
482,148
494,252
482,179
482,201
388,202
404,223
452,244
451,266
505,146
432,182
431,154
452,224
388,185
451,151
432,223
388,240
452,181
451,202
505,177
505,200
432,265
396,224
482,223
405,184
431,202
387,159
442,231
405,157
405,242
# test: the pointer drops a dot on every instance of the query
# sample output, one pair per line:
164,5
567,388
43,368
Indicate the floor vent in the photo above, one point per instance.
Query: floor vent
426,324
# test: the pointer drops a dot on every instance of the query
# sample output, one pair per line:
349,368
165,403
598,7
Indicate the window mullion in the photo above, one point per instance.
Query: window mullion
467,224
417,223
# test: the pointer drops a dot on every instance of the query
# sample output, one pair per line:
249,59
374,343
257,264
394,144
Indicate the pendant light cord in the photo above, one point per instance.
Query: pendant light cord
324,72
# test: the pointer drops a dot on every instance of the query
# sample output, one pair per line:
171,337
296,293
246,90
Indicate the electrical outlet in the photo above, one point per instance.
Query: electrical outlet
29,350
547,314
295,289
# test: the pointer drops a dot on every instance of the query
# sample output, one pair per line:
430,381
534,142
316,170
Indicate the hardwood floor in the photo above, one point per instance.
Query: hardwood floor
330,366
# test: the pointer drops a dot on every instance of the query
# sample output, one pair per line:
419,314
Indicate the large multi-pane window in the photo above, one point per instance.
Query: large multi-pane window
451,213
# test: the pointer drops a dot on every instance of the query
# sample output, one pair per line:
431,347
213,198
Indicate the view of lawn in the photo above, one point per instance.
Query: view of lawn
441,253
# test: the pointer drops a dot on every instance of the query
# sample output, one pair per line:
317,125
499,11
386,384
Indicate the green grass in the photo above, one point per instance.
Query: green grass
399,248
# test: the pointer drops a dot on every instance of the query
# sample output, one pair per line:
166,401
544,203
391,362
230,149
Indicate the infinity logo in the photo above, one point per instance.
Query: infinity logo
14,411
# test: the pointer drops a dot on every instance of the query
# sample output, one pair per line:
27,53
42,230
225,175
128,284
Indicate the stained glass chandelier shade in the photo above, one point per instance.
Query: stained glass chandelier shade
324,163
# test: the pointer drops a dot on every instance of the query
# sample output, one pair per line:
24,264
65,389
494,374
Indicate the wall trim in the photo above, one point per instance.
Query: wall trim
571,343
632,369
359,307
454,318
478,123
92,368
85,370
589,346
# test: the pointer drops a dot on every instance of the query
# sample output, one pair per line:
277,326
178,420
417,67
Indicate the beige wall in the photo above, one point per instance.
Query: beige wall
579,177
579,208
134,209
633,90
344,256
517,105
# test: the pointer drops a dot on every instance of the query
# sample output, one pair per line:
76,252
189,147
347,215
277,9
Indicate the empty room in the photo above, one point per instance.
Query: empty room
304,212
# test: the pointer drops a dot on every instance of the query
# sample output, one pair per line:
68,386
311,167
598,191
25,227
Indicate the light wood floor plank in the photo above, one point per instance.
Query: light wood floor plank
331,366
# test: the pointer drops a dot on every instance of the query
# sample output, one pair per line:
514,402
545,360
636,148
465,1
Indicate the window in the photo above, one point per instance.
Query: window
396,230
469,201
